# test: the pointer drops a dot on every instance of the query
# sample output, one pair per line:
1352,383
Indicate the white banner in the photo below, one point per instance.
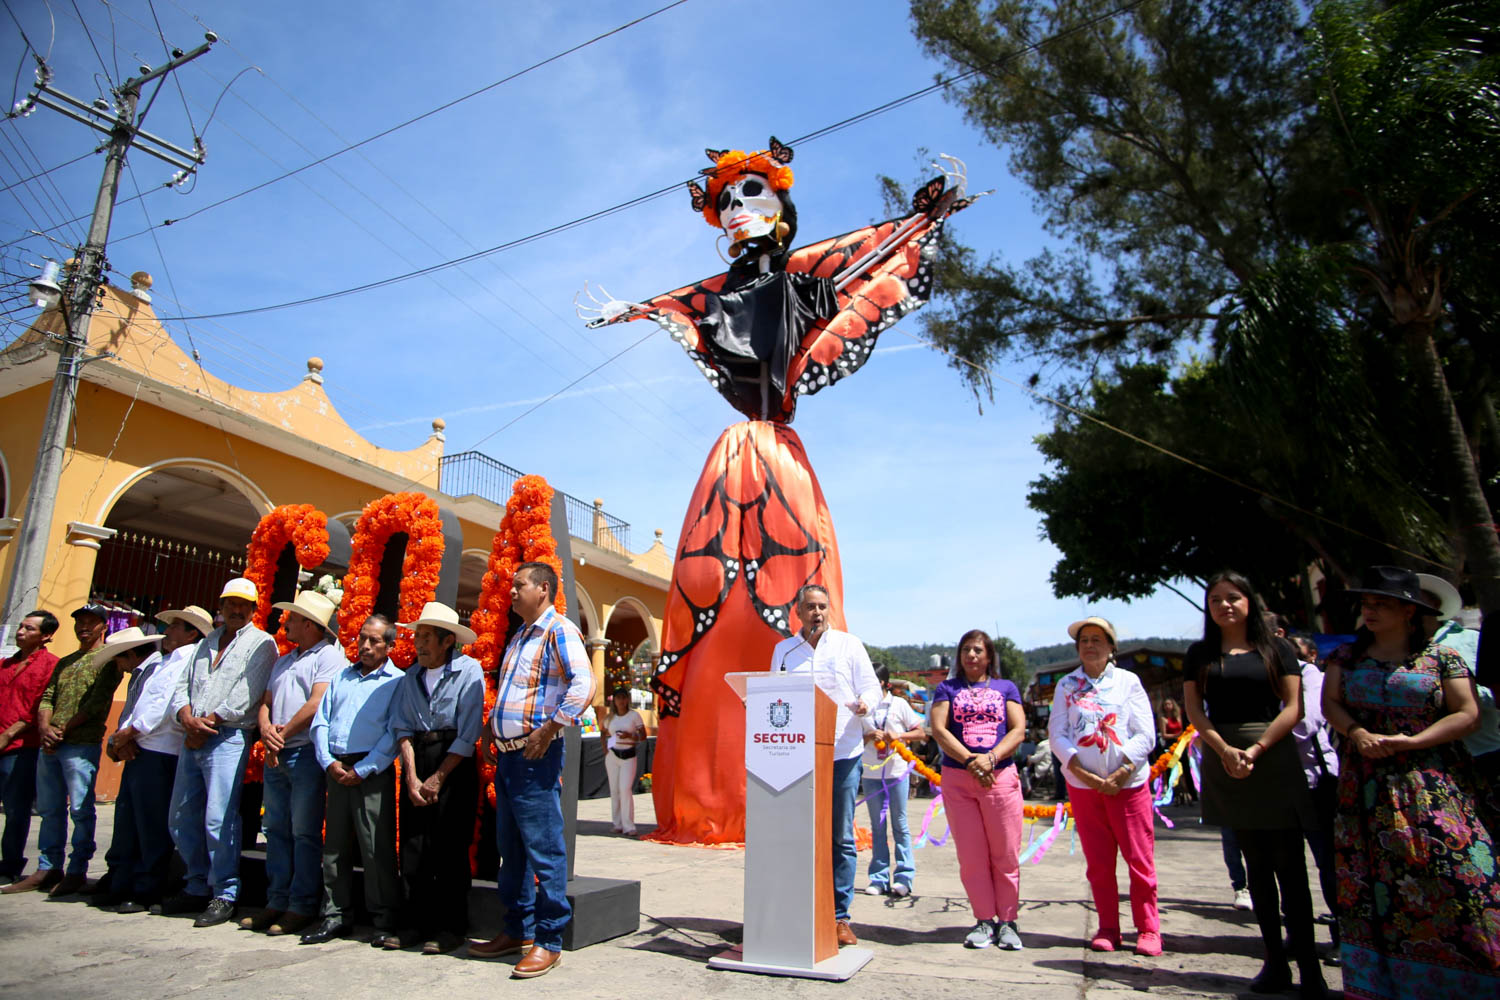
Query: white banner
779,724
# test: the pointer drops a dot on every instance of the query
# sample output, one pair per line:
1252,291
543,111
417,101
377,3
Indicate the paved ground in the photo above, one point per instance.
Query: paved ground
691,907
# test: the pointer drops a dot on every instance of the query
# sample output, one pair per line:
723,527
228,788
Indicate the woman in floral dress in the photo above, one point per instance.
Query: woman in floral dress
1419,892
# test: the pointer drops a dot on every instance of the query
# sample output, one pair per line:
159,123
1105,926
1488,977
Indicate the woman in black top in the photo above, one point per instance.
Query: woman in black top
1243,693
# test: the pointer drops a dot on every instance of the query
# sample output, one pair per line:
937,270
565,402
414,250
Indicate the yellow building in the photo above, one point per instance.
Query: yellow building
169,469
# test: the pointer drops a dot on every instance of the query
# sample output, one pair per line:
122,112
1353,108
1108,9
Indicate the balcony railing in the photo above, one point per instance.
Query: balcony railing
477,473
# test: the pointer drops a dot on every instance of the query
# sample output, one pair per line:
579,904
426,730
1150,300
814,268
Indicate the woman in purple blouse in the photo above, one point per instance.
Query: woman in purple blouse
978,722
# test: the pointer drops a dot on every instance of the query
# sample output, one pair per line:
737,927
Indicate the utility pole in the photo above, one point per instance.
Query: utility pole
80,294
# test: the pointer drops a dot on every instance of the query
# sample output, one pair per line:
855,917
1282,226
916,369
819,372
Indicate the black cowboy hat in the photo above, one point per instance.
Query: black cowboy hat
1394,581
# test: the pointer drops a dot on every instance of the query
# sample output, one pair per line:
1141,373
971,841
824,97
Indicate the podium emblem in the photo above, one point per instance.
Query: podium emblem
780,713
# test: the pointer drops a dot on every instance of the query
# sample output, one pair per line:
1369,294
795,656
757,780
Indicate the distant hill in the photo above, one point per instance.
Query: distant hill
915,656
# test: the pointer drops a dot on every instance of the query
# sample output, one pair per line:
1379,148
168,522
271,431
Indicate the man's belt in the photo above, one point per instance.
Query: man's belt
348,759
436,736
510,746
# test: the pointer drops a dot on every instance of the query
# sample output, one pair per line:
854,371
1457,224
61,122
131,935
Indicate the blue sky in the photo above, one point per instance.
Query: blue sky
927,493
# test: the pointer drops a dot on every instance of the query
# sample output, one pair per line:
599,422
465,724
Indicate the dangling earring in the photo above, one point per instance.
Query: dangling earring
718,250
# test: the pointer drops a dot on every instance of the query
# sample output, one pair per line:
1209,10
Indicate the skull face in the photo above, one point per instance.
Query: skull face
748,207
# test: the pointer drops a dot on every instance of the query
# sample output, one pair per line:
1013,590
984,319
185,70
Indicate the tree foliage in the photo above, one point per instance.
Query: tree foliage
1274,231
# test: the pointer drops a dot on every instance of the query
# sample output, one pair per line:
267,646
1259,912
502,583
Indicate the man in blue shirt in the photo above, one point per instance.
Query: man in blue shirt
355,747
436,716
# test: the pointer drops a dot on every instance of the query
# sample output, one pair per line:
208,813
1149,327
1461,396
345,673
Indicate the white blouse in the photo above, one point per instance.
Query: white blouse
1102,722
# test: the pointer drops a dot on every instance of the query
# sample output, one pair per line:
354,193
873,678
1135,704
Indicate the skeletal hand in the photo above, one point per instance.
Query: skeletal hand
603,311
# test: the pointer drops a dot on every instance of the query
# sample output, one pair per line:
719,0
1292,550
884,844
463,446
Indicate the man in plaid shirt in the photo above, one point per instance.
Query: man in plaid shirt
545,684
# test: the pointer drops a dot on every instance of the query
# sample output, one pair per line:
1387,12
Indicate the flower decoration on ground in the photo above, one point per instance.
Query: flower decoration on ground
300,525
416,515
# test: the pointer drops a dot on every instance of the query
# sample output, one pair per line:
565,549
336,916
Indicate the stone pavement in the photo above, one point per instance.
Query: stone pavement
691,907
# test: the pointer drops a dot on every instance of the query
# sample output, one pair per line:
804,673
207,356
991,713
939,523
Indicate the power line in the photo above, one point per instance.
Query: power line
428,114
50,170
813,136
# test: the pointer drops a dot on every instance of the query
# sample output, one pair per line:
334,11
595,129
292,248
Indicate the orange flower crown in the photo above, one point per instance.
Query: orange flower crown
731,164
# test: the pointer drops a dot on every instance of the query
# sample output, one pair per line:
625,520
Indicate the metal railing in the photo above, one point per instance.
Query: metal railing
475,472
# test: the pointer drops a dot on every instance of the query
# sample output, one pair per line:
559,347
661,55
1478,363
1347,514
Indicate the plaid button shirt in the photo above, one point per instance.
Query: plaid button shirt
545,674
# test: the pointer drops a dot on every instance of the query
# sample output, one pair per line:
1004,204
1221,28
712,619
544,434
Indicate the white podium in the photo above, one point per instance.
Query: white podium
789,928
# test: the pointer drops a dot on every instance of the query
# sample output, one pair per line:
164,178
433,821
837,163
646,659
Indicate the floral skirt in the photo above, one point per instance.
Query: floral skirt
1419,889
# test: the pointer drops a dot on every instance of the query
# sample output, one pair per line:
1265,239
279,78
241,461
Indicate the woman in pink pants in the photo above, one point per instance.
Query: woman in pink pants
978,721
1102,732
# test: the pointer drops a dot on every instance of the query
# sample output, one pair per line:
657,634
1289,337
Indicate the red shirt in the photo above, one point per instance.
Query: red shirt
22,682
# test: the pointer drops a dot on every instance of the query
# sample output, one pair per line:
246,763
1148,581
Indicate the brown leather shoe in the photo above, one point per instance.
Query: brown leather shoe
845,933
290,922
39,879
500,944
261,921
538,962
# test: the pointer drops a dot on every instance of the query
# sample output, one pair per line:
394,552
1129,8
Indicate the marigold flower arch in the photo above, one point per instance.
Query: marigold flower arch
301,525
418,516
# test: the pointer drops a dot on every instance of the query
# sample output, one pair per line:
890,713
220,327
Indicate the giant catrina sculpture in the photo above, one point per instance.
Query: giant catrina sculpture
778,325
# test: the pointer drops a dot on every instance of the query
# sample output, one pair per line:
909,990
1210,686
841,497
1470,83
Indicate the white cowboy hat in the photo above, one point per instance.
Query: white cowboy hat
125,639
240,587
1449,602
1094,620
192,614
311,605
441,616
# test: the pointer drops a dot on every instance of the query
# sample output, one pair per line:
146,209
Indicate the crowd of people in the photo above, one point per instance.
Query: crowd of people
198,698
1383,757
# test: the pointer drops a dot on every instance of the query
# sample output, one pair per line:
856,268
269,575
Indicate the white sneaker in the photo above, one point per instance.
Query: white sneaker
1242,899
982,936
874,890
1006,936
900,891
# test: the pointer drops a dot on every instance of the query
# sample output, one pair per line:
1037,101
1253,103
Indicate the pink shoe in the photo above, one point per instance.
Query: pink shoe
1105,940
1148,943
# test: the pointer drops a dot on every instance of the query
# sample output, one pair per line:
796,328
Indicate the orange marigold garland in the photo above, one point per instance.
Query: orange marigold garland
306,528
417,515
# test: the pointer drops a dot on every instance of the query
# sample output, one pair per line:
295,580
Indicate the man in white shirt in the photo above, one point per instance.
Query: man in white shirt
841,667
885,786
148,740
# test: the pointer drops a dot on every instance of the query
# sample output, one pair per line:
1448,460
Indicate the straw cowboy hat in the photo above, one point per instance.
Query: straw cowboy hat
123,640
1449,602
441,616
312,605
192,615
1097,622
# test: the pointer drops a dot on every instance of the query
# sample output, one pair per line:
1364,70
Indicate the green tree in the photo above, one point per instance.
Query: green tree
1012,661
1198,180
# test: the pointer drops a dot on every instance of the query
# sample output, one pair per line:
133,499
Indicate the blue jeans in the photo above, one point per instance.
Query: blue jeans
142,846
529,834
1232,859
294,831
64,791
889,796
206,813
17,795
845,857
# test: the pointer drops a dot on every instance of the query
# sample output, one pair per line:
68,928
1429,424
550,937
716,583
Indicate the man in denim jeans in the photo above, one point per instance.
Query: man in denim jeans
70,719
216,703
293,779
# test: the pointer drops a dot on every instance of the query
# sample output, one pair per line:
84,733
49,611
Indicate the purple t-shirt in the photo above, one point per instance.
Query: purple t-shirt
976,714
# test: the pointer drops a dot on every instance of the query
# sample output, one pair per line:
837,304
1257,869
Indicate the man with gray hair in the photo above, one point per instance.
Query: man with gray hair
216,702
355,746
841,666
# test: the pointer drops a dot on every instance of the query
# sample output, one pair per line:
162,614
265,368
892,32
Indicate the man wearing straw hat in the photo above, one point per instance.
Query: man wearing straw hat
216,701
293,780
436,714
149,741
545,685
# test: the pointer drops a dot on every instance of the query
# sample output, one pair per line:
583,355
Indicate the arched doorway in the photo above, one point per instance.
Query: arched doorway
630,641
180,532
471,572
